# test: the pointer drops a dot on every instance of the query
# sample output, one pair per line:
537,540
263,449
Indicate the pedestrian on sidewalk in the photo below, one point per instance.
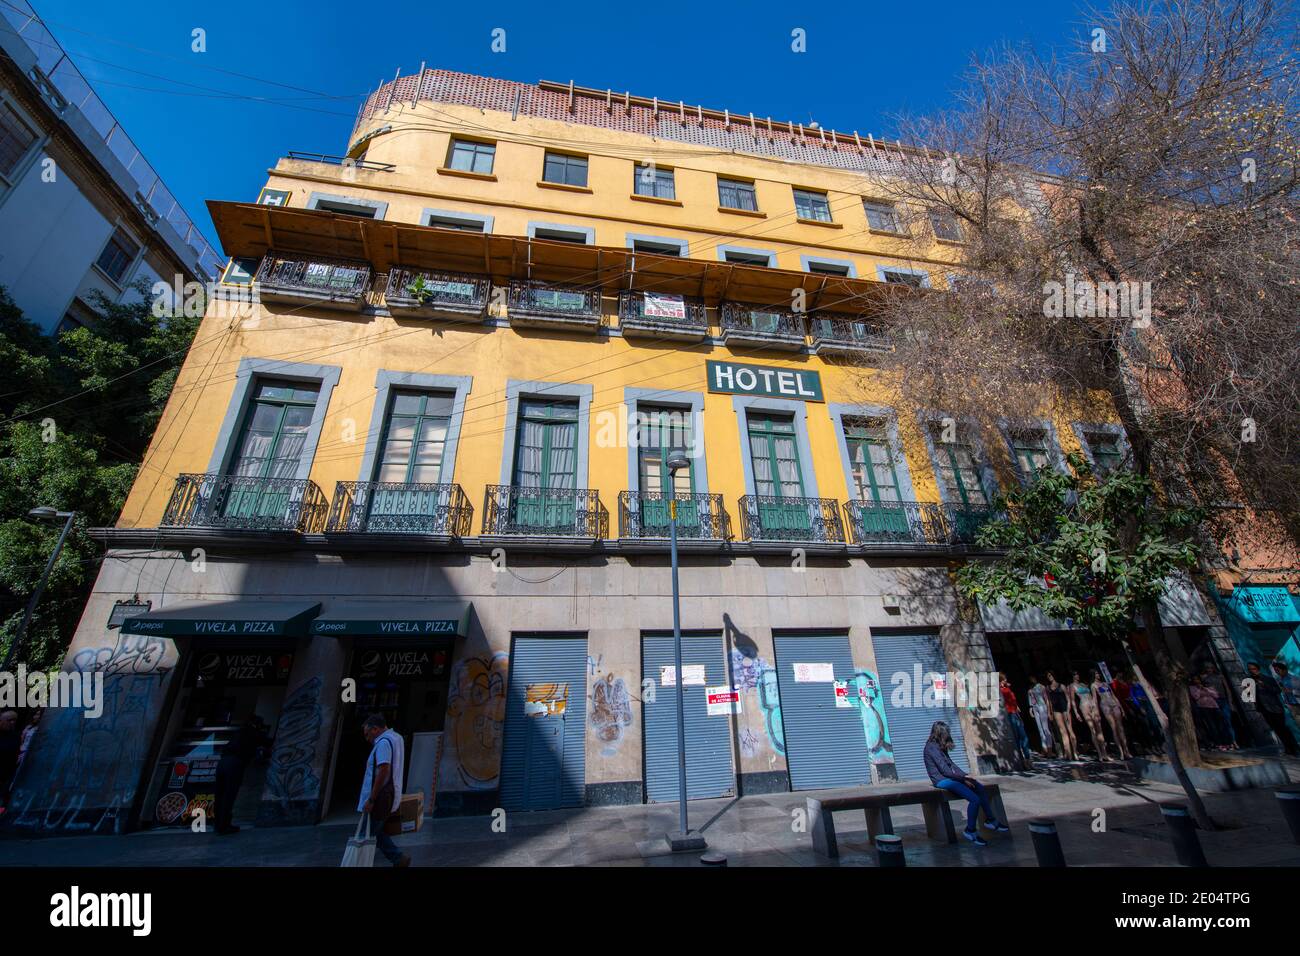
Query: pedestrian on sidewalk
1141,701
1041,709
1215,684
236,755
1268,701
946,775
381,789
1205,713
1017,723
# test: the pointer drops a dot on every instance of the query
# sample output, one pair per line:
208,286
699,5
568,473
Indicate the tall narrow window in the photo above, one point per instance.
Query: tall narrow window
415,438
653,181
737,194
812,205
275,430
660,431
874,479
958,471
471,157
775,456
778,474
546,463
1031,451
871,461
565,170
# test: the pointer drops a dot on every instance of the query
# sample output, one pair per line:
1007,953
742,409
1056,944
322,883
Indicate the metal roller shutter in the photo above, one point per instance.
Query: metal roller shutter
909,727
709,770
824,744
543,758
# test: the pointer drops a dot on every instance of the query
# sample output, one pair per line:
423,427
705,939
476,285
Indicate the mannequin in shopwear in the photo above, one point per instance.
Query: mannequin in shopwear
1085,702
1042,711
1058,695
1112,711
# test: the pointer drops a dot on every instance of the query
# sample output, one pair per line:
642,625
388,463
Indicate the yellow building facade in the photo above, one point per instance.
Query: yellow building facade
417,461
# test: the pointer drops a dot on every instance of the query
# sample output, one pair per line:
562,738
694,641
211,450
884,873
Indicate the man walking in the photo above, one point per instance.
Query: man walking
381,789
1268,701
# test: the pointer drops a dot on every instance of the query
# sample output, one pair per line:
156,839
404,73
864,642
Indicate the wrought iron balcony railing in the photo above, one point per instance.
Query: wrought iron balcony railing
964,522
761,325
391,507
847,335
242,503
543,304
896,522
772,518
337,283
662,316
549,512
644,514
437,294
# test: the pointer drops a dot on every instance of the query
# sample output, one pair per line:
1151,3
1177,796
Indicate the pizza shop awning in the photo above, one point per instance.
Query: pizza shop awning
225,619
395,619
250,230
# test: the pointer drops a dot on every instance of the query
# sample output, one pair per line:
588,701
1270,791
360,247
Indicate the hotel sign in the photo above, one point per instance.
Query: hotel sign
764,380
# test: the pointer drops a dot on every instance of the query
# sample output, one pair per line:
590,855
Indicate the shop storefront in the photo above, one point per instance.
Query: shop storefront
234,667
400,667
1263,623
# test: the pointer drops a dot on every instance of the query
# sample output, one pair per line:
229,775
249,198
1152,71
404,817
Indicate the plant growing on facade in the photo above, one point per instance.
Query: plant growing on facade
1098,551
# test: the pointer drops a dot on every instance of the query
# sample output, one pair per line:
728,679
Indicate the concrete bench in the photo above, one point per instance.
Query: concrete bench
876,802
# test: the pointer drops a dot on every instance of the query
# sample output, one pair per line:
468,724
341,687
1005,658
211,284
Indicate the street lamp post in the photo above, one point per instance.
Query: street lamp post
40,514
683,838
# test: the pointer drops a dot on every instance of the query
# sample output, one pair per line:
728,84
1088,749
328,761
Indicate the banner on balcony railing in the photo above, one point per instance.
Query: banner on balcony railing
740,379
661,306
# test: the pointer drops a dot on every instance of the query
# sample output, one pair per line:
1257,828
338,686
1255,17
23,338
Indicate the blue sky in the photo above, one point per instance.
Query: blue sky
210,138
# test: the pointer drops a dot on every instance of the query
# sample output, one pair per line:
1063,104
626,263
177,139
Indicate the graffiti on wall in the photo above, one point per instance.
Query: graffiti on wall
81,774
291,777
751,672
869,699
130,655
611,712
476,710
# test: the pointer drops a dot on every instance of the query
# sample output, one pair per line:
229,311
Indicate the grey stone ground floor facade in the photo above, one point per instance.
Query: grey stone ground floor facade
96,776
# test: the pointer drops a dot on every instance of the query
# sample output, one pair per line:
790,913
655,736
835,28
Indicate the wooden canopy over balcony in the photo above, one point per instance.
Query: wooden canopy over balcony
252,230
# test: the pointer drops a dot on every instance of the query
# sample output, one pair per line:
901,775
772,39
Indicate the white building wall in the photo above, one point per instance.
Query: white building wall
50,234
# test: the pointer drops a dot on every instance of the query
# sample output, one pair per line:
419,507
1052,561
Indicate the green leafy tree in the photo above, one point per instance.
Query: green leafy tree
1098,550
76,414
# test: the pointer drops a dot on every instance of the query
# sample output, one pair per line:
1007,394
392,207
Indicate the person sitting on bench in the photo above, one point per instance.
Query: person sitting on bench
946,775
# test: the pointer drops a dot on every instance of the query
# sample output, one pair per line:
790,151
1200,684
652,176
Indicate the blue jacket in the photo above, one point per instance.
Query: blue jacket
939,765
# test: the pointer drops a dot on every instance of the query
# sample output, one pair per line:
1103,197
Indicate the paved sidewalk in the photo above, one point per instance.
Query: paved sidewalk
751,831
